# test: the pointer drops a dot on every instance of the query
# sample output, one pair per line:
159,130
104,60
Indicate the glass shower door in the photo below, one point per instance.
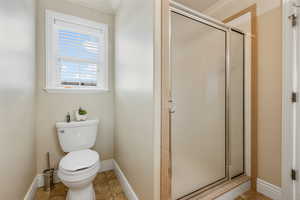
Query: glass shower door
236,108
198,125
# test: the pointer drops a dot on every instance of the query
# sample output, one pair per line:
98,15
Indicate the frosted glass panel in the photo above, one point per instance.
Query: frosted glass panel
236,104
199,93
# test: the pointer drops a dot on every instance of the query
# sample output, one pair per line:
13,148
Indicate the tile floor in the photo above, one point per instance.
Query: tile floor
107,187
252,195
106,184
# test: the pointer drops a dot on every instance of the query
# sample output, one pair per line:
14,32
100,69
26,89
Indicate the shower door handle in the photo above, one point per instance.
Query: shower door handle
172,107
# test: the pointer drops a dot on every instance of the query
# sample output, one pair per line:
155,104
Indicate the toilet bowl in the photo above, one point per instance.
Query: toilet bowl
77,170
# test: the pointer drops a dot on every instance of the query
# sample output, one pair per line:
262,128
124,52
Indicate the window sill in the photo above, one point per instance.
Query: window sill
76,90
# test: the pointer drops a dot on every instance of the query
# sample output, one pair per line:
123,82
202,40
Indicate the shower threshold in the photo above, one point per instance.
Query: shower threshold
221,189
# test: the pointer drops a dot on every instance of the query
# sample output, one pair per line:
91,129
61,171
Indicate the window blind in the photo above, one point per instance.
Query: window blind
79,56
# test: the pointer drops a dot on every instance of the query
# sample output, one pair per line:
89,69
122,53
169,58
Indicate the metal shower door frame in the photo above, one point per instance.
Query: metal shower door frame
194,15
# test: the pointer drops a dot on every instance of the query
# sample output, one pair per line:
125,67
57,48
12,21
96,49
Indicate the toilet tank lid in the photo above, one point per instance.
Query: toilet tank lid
76,124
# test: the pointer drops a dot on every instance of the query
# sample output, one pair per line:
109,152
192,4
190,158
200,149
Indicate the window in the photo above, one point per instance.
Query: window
76,54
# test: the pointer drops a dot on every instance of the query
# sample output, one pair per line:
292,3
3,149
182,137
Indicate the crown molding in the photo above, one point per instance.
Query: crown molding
105,6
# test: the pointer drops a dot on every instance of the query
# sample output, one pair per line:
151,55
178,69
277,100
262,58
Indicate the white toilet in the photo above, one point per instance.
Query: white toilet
80,166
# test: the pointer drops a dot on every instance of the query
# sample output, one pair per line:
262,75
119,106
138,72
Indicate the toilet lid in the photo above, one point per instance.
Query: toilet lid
78,160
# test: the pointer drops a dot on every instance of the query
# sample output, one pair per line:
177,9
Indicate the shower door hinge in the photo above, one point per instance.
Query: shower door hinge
293,174
294,97
293,19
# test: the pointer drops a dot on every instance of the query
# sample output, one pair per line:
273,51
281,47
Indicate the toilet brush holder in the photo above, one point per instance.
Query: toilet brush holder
48,179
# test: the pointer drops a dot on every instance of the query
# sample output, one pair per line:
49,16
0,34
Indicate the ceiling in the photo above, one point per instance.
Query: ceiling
107,6
110,6
199,5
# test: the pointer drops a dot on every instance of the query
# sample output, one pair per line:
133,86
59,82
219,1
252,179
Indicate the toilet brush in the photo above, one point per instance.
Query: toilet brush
48,160
48,175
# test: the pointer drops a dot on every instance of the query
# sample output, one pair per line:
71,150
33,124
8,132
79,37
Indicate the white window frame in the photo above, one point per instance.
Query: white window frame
51,68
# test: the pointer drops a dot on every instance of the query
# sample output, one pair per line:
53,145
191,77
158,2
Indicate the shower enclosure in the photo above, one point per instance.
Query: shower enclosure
207,114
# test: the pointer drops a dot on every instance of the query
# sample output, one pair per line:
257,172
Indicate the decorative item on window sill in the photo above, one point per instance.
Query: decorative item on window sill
68,118
81,115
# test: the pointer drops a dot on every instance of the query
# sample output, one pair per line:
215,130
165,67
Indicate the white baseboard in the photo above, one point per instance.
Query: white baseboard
232,194
107,165
268,189
32,190
125,184
38,181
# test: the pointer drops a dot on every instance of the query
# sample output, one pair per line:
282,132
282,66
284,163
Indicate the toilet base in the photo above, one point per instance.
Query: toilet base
87,193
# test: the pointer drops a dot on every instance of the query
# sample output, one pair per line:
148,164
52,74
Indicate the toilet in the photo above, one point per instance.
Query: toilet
79,167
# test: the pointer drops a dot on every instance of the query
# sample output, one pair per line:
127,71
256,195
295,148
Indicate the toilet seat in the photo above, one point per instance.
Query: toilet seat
79,160
79,165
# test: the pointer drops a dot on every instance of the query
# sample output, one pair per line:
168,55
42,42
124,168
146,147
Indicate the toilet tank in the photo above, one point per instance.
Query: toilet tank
76,136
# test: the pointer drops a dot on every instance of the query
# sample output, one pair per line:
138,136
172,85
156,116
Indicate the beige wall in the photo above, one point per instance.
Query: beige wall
134,94
270,95
54,107
269,81
17,97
